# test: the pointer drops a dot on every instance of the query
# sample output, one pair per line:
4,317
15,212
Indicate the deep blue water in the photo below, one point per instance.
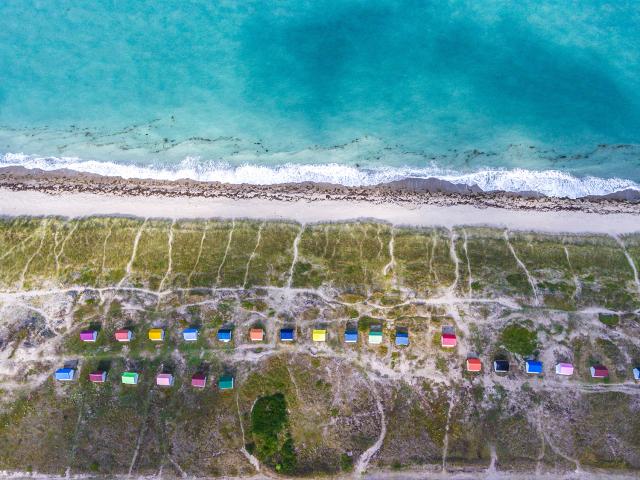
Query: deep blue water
518,95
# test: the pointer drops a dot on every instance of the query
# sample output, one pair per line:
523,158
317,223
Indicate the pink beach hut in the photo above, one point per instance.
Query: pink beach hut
449,340
164,379
89,335
564,369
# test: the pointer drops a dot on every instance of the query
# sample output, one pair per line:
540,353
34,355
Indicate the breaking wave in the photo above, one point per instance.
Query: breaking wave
547,182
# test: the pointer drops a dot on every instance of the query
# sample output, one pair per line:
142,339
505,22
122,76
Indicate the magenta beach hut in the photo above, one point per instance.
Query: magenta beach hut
98,377
199,380
564,368
89,335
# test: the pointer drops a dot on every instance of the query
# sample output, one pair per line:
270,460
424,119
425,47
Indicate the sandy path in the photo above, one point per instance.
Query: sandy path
82,204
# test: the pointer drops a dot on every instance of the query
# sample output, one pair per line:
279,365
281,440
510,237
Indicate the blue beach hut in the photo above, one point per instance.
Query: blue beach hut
533,367
224,335
286,335
402,338
190,334
65,374
351,336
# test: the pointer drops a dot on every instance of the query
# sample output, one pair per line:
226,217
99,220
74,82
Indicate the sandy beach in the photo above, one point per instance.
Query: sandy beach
14,203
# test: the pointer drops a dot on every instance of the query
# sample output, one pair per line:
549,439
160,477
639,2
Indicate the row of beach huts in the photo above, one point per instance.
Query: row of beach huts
448,339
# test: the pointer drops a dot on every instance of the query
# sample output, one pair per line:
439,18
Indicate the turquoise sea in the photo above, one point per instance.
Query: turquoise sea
528,95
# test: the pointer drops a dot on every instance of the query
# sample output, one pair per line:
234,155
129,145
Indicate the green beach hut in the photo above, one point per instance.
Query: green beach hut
130,378
225,383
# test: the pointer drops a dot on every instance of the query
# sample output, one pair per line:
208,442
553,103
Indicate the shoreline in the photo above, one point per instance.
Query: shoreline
65,204
410,191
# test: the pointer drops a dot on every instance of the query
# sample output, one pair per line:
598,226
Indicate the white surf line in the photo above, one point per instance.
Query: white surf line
170,261
296,242
532,283
632,264
134,251
226,251
195,265
445,441
64,241
466,254
367,455
38,250
251,458
253,254
454,257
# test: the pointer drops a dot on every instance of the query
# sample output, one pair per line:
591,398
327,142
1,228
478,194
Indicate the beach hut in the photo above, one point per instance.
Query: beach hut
375,337
130,378
319,335
98,377
199,380
224,335
501,366
351,336
563,368
225,383
636,373
448,340
402,337
599,371
124,335
256,334
65,374
164,379
286,335
474,365
533,367
156,335
190,334
89,335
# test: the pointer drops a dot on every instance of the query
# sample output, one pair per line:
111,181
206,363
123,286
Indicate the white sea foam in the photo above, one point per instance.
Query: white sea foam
547,182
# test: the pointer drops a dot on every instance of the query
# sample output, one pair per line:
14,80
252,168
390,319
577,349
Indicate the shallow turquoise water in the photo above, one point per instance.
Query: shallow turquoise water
362,91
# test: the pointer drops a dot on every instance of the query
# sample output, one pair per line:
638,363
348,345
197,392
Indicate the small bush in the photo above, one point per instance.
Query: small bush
519,339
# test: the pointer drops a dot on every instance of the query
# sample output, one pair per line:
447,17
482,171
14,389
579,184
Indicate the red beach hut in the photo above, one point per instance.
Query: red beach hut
599,371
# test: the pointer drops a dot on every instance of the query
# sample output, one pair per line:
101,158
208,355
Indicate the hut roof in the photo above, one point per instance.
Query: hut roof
501,366
351,336
286,334
224,335
130,378
448,340
564,368
98,377
533,366
474,365
319,335
88,335
65,374
164,379
156,334
599,371
123,335
199,380
256,334
225,382
402,338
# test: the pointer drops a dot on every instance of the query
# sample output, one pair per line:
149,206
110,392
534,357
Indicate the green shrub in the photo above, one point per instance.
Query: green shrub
519,339
269,425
